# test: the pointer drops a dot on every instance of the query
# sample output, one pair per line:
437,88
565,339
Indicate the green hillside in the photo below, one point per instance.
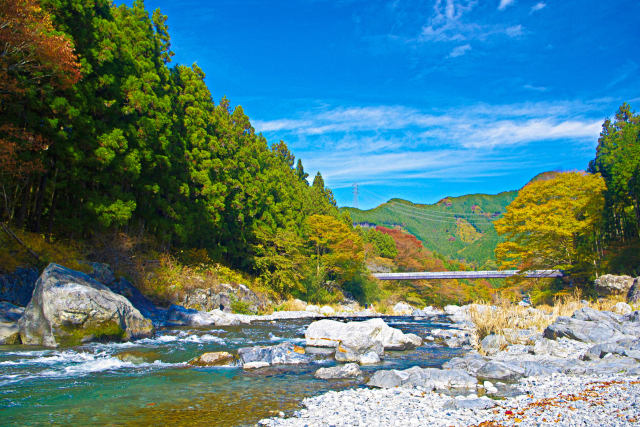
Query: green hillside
457,227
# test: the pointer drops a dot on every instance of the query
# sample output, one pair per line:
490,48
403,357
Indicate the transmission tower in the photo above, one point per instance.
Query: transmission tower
355,195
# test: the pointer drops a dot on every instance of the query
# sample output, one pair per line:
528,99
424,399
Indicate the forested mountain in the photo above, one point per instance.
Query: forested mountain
456,227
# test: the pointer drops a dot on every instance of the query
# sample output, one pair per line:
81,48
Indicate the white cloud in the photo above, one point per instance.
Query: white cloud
504,3
514,31
538,6
459,51
398,143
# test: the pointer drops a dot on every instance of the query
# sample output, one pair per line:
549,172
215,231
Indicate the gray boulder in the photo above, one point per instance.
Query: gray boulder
349,370
144,305
69,307
285,353
470,362
612,285
428,378
583,330
624,347
501,371
633,296
359,348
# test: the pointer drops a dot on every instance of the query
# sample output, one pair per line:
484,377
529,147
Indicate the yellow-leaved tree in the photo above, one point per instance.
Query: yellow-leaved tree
553,224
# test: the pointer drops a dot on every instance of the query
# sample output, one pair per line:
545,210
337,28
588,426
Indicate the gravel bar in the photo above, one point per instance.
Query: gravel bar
559,399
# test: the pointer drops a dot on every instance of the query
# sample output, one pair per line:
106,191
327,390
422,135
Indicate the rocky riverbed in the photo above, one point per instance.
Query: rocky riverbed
88,340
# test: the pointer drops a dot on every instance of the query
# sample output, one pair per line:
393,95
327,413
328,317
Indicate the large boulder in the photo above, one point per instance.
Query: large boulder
359,348
611,285
17,287
501,371
329,333
492,344
590,331
69,307
285,353
428,378
349,370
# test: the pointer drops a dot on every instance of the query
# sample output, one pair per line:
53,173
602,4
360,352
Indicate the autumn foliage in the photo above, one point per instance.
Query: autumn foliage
31,49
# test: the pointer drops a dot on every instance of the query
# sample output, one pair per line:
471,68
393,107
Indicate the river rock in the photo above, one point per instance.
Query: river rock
327,310
473,403
471,362
428,311
633,296
402,309
453,338
313,308
428,378
622,308
359,348
9,316
583,330
138,357
329,333
611,285
69,307
285,353
491,344
500,371
17,287
215,358
349,370
9,333
624,347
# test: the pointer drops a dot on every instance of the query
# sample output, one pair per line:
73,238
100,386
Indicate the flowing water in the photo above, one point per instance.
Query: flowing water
148,382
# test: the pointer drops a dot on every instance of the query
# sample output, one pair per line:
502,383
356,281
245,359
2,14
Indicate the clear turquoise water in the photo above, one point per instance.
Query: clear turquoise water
91,385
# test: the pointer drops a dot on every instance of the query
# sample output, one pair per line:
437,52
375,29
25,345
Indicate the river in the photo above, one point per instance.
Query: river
148,382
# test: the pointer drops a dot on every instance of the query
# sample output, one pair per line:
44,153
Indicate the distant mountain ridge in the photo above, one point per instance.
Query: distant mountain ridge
456,227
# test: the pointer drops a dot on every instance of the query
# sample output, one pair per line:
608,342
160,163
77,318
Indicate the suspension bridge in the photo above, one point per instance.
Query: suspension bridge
490,274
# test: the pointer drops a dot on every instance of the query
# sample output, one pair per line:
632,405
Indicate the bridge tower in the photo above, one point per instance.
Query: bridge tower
355,195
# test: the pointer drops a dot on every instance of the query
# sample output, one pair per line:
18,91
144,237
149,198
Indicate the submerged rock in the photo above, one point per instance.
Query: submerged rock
282,354
216,358
349,370
138,357
69,307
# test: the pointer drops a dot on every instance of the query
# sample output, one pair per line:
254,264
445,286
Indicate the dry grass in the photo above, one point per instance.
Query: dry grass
508,316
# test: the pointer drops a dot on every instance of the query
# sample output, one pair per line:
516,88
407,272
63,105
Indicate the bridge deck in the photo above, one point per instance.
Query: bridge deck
493,274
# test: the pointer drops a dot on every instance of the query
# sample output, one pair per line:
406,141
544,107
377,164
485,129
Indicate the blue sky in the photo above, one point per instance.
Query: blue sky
418,99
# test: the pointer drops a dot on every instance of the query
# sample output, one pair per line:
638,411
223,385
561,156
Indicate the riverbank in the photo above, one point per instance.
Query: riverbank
603,400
